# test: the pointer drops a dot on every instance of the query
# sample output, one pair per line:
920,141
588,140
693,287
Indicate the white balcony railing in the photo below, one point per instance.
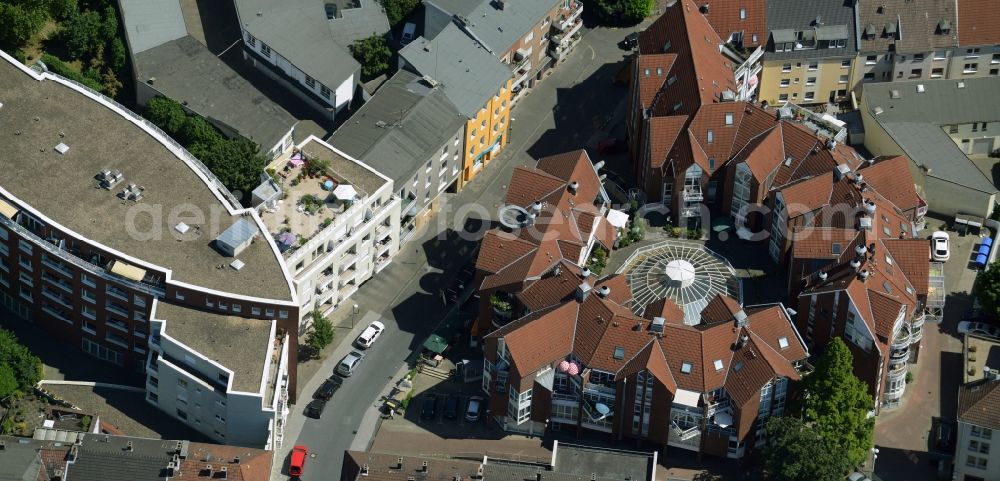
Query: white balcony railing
693,193
573,13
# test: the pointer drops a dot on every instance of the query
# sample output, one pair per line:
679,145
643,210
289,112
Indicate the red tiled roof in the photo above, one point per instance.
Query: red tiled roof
770,324
720,308
725,17
665,308
911,255
498,249
979,404
620,291
703,73
606,234
663,134
533,344
887,175
886,311
528,185
764,154
807,195
977,23
818,242
658,66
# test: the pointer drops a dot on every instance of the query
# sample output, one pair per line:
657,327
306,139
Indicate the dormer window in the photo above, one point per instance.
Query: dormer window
686,367
944,27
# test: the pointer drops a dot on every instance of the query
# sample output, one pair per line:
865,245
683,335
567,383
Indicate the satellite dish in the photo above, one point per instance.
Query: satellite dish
602,408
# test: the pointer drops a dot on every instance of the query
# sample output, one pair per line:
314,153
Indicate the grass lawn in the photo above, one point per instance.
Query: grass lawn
35,46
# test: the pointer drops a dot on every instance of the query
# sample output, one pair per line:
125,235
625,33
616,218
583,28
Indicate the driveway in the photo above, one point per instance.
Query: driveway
902,434
406,296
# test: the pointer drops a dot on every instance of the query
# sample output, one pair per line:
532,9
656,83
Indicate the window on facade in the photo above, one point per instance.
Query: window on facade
310,82
325,92
783,98
729,118
871,59
785,82
264,49
813,66
970,68
251,40
786,67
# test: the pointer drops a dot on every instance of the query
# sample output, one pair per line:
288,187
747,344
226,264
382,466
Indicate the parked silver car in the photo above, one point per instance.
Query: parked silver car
350,363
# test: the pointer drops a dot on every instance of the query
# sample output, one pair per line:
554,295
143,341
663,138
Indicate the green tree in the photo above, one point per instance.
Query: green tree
838,403
116,57
197,130
987,290
81,34
373,54
27,368
237,163
62,9
109,24
636,10
8,382
166,114
20,21
321,334
796,452
397,10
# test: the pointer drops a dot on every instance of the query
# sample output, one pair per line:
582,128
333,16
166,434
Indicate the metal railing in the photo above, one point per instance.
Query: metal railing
180,150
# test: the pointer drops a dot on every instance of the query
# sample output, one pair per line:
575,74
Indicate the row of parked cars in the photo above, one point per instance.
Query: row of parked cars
451,407
345,369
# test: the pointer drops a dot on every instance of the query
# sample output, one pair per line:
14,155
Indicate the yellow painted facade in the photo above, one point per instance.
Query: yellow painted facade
488,129
806,81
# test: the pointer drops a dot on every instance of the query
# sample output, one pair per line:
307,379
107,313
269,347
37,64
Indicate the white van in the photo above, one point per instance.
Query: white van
408,31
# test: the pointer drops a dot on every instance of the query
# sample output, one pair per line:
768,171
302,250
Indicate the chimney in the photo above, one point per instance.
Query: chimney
399,462
573,187
364,470
223,473
501,4
582,292
741,319
208,469
479,472
859,178
57,475
3,445
73,453
704,9
538,475
556,270
236,460
170,469
423,467
128,446
604,292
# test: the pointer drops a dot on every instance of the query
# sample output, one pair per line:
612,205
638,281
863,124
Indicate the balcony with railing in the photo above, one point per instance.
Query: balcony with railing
693,193
569,34
898,372
569,16
685,438
902,339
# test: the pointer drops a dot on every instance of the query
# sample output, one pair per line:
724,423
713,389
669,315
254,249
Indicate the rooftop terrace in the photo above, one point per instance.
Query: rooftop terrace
237,343
309,206
36,116
980,352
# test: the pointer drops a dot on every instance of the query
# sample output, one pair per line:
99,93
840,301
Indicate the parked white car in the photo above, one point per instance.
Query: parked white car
940,250
981,328
370,334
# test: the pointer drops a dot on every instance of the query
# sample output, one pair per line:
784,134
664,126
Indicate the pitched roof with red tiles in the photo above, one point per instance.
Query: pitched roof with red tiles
703,72
746,17
720,309
663,134
977,23
665,308
653,70
911,256
558,232
821,242
807,195
886,310
888,175
979,404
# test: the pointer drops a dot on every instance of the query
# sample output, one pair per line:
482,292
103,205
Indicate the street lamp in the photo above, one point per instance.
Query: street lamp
354,315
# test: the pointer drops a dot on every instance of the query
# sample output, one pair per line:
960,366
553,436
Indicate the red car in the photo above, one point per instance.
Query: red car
297,465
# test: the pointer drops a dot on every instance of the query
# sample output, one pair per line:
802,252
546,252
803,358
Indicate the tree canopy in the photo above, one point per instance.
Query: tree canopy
636,10
373,53
237,162
82,34
321,334
796,452
397,10
987,289
25,367
614,12
21,20
838,403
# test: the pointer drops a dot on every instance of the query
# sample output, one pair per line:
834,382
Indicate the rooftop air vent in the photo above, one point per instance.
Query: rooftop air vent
740,318
822,275
878,110
182,228
861,249
961,84
859,178
110,178
585,273
604,292
573,187
840,171
62,148
855,264
237,264
920,88
863,275
536,206
869,207
894,94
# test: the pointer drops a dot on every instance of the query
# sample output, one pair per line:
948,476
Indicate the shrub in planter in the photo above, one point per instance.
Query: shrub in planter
500,304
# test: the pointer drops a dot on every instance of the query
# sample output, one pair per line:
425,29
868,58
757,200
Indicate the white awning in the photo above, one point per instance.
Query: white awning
687,398
127,271
617,218
7,210
723,419
345,192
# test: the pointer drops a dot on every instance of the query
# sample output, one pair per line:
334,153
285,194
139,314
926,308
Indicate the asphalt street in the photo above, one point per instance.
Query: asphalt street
406,296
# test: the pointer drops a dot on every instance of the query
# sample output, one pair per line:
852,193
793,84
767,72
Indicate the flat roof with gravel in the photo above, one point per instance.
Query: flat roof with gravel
36,116
240,344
